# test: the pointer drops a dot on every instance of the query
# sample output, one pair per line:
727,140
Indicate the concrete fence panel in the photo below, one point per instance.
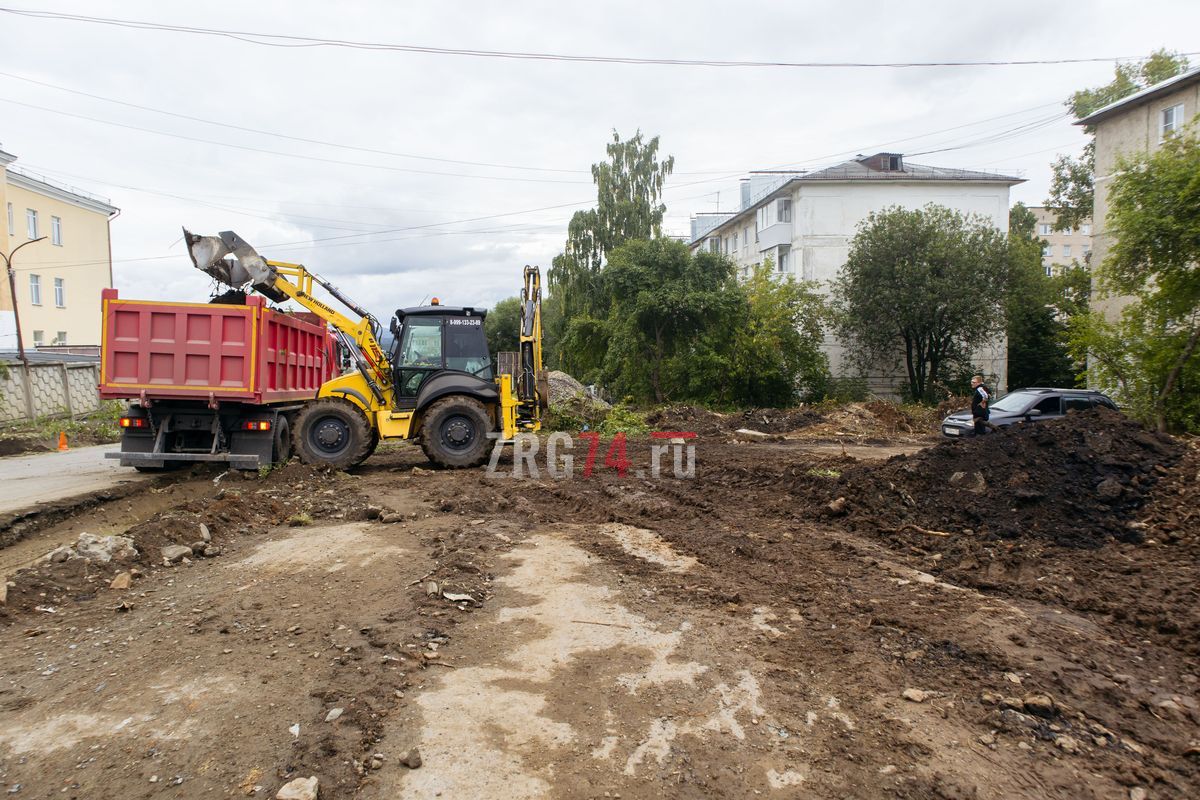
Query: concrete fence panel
47,390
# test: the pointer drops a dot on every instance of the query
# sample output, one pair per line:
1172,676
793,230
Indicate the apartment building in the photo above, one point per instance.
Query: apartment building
1139,123
1062,248
59,279
804,221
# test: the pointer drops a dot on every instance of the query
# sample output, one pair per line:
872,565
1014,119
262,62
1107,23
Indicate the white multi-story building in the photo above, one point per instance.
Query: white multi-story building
804,221
1063,248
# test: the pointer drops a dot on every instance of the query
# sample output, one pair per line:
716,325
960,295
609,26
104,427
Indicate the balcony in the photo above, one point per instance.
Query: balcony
775,235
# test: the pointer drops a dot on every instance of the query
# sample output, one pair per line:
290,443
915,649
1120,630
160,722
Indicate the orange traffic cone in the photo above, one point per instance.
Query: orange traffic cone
62,440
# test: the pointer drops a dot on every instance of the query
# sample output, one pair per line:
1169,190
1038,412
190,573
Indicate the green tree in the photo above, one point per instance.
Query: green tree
502,326
661,299
1072,193
1149,357
629,206
1035,320
927,284
776,357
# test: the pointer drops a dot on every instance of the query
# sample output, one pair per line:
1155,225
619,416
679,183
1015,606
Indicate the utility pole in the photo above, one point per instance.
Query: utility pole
12,287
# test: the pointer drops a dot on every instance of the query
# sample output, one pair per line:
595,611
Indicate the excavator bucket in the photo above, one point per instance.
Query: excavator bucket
247,266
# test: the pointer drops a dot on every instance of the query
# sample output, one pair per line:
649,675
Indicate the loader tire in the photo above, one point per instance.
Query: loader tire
333,432
454,432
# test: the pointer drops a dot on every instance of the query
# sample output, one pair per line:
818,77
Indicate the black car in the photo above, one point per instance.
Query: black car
1027,405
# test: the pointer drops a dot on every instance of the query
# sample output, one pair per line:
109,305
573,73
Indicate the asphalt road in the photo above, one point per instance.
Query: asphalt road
26,481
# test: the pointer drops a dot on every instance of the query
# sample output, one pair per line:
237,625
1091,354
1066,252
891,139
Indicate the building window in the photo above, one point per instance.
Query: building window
735,246
31,226
785,210
1067,231
1170,121
1049,271
1085,230
61,338
714,245
56,231
1045,229
12,223
60,293
784,259
1047,251
35,289
39,338
746,238
1066,251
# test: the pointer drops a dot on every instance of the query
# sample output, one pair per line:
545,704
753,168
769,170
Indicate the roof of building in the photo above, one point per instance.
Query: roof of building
60,191
1144,96
862,169
855,170
6,158
44,357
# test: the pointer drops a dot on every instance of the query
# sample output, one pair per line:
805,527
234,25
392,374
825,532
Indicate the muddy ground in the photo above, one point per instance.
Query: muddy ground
790,622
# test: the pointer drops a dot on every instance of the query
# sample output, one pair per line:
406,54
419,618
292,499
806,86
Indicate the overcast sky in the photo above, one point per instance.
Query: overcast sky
397,226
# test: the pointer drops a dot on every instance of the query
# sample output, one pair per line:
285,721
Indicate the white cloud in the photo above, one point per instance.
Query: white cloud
535,113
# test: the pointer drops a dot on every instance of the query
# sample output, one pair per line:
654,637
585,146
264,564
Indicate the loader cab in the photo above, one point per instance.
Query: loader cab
432,339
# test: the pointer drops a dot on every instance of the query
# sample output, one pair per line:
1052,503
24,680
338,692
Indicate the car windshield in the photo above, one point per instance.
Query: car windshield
1013,402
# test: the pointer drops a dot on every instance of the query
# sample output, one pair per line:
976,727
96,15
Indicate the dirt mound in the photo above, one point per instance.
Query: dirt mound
238,504
859,421
690,418
873,421
564,389
714,423
1075,481
16,446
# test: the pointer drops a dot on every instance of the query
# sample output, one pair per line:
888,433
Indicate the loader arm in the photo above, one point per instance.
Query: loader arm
532,390
280,280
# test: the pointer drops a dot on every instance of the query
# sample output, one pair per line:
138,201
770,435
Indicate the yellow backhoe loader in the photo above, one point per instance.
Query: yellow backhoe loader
437,384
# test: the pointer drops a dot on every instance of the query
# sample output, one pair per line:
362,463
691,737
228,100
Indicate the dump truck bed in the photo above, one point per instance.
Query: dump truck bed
218,353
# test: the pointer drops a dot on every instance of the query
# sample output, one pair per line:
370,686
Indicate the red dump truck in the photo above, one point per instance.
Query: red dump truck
208,381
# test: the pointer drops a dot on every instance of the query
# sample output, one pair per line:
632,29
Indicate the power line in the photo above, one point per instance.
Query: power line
286,135
285,155
294,41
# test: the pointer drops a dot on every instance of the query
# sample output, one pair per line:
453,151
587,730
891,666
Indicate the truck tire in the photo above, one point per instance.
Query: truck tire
333,432
454,432
282,451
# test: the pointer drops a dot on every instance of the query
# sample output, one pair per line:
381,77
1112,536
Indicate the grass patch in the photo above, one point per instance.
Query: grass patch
301,520
819,472
99,427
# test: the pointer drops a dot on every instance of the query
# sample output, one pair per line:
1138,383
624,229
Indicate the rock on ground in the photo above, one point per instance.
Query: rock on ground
299,789
176,552
105,548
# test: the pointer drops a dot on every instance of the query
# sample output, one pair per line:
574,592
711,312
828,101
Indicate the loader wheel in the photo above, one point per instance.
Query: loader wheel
283,441
334,433
454,432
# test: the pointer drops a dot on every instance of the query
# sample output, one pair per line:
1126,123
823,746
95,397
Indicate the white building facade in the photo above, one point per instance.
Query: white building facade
804,222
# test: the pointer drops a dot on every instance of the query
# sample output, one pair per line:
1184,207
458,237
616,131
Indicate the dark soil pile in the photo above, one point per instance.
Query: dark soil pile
1076,482
12,447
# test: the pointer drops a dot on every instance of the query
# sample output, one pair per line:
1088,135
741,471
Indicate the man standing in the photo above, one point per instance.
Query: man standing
979,404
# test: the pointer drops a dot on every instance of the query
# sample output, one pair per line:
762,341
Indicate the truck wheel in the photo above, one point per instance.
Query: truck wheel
333,432
454,432
282,452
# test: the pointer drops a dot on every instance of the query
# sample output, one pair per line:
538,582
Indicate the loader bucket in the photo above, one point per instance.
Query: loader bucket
208,255
247,266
